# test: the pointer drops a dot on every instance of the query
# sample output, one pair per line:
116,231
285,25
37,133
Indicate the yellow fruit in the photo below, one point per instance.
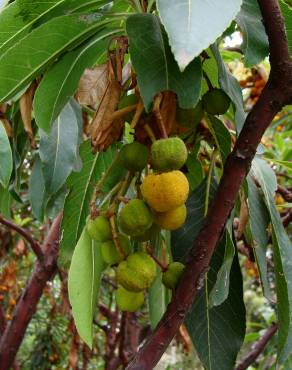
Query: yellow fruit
137,272
135,218
134,156
109,251
168,154
171,277
99,229
173,219
216,101
128,301
165,191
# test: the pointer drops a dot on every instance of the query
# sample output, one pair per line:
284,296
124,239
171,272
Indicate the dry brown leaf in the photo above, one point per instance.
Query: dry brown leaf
25,104
243,218
92,86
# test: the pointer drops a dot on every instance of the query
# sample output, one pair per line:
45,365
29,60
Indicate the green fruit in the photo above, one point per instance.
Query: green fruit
99,229
190,117
128,301
149,234
135,218
134,156
137,272
168,154
110,253
170,278
216,102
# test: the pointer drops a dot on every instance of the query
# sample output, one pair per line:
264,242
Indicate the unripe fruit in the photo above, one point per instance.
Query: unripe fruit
216,101
170,278
165,191
128,301
137,272
99,229
151,233
168,154
190,117
135,218
173,219
134,156
109,251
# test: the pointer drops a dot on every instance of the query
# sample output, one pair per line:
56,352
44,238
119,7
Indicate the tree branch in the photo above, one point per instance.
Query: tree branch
27,303
257,348
25,234
276,94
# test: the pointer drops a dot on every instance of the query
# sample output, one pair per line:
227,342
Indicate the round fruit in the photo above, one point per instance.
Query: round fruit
168,154
99,229
216,101
173,219
165,191
170,278
128,301
149,234
135,218
190,117
134,156
137,272
109,251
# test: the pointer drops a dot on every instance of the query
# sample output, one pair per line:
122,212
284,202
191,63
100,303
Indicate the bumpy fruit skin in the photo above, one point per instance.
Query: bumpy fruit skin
168,154
190,117
110,253
173,219
137,272
99,229
128,301
149,234
170,278
216,101
135,218
134,156
165,191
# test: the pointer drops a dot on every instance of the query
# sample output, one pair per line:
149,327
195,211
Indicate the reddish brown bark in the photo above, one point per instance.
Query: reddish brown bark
276,94
27,303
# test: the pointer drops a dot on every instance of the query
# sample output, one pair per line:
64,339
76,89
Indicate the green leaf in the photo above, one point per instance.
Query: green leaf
154,63
255,41
282,247
231,86
58,150
83,284
80,187
285,164
287,13
259,222
220,291
5,202
195,24
29,57
61,81
6,163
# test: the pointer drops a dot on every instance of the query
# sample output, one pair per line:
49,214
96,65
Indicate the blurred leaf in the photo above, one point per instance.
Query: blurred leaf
58,150
155,65
83,284
5,202
193,25
255,41
282,247
80,187
287,13
41,47
5,157
286,164
61,81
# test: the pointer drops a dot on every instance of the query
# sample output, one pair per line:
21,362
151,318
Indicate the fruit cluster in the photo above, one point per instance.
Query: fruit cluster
160,205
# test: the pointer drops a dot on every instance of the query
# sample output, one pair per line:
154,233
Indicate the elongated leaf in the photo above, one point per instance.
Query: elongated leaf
83,284
5,157
80,186
255,41
154,63
286,164
32,54
5,202
282,258
58,150
287,13
61,81
259,222
195,24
